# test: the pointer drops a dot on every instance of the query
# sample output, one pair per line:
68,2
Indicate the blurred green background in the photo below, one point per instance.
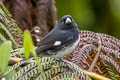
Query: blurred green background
94,15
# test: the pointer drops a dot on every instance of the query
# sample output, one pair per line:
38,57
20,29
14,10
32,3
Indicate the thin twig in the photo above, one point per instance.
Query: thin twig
96,76
96,56
14,60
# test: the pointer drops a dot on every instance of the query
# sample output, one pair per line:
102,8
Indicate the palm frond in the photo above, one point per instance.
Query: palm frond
2,38
17,52
52,69
112,67
65,76
8,33
8,25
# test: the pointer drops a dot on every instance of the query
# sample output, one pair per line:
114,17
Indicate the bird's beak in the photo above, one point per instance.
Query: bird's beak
68,20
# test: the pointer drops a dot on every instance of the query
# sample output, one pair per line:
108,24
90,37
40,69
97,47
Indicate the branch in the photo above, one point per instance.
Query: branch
95,76
96,56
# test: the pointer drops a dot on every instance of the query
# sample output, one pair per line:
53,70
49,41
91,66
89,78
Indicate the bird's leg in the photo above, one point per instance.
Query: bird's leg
64,61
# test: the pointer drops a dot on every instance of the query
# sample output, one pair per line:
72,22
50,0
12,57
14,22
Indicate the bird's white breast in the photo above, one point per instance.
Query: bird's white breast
66,50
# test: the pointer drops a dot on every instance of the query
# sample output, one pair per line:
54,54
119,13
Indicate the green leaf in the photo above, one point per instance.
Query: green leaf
5,49
29,47
28,44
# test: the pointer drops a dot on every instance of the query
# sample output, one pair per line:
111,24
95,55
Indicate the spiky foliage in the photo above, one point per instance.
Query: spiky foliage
109,58
82,57
52,69
8,27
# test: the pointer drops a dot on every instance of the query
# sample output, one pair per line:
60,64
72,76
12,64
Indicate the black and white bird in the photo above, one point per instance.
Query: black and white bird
61,41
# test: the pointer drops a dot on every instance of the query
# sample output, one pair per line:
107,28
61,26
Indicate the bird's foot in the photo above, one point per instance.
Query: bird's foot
64,62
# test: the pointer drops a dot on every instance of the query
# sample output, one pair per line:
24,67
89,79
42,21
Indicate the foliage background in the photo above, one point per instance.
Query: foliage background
94,15
87,18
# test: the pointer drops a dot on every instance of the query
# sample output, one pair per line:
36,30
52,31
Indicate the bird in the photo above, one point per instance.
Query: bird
61,40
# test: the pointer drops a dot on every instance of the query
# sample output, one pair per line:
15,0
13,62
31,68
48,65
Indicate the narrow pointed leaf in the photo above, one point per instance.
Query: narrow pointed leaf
28,44
29,47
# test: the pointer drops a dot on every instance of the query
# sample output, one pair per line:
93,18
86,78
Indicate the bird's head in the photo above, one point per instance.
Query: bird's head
67,22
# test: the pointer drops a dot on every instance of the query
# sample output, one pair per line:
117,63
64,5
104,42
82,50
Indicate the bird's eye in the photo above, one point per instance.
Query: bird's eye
68,20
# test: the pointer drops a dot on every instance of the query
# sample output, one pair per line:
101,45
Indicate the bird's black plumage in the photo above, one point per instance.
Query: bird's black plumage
66,33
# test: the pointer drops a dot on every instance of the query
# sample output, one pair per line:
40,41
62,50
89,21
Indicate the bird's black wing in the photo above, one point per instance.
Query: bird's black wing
55,35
